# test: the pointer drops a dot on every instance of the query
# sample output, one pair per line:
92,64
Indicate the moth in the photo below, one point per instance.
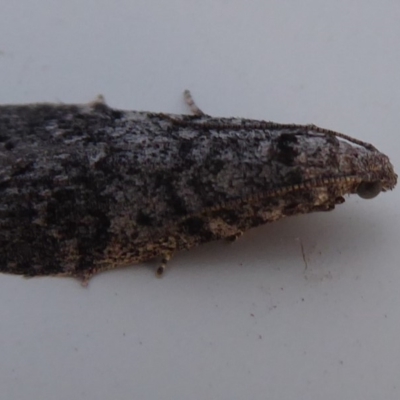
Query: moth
87,188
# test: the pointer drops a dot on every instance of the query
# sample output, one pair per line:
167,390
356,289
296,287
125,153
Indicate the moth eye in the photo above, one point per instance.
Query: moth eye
369,190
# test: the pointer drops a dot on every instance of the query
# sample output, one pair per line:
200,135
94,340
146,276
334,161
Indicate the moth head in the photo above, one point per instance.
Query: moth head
378,176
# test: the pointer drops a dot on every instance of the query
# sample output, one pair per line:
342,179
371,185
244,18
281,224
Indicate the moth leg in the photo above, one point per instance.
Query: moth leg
221,229
235,237
85,281
160,270
191,103
99,100
85,278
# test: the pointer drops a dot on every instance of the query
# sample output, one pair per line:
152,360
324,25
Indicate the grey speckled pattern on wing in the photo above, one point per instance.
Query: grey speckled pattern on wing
86,188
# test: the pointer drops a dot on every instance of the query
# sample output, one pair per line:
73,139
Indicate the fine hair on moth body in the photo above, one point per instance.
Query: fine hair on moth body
86,188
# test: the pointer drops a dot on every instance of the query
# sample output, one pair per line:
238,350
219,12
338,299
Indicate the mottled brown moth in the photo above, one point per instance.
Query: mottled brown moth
87,188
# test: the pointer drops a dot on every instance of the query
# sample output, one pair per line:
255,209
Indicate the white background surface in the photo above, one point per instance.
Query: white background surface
247,320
